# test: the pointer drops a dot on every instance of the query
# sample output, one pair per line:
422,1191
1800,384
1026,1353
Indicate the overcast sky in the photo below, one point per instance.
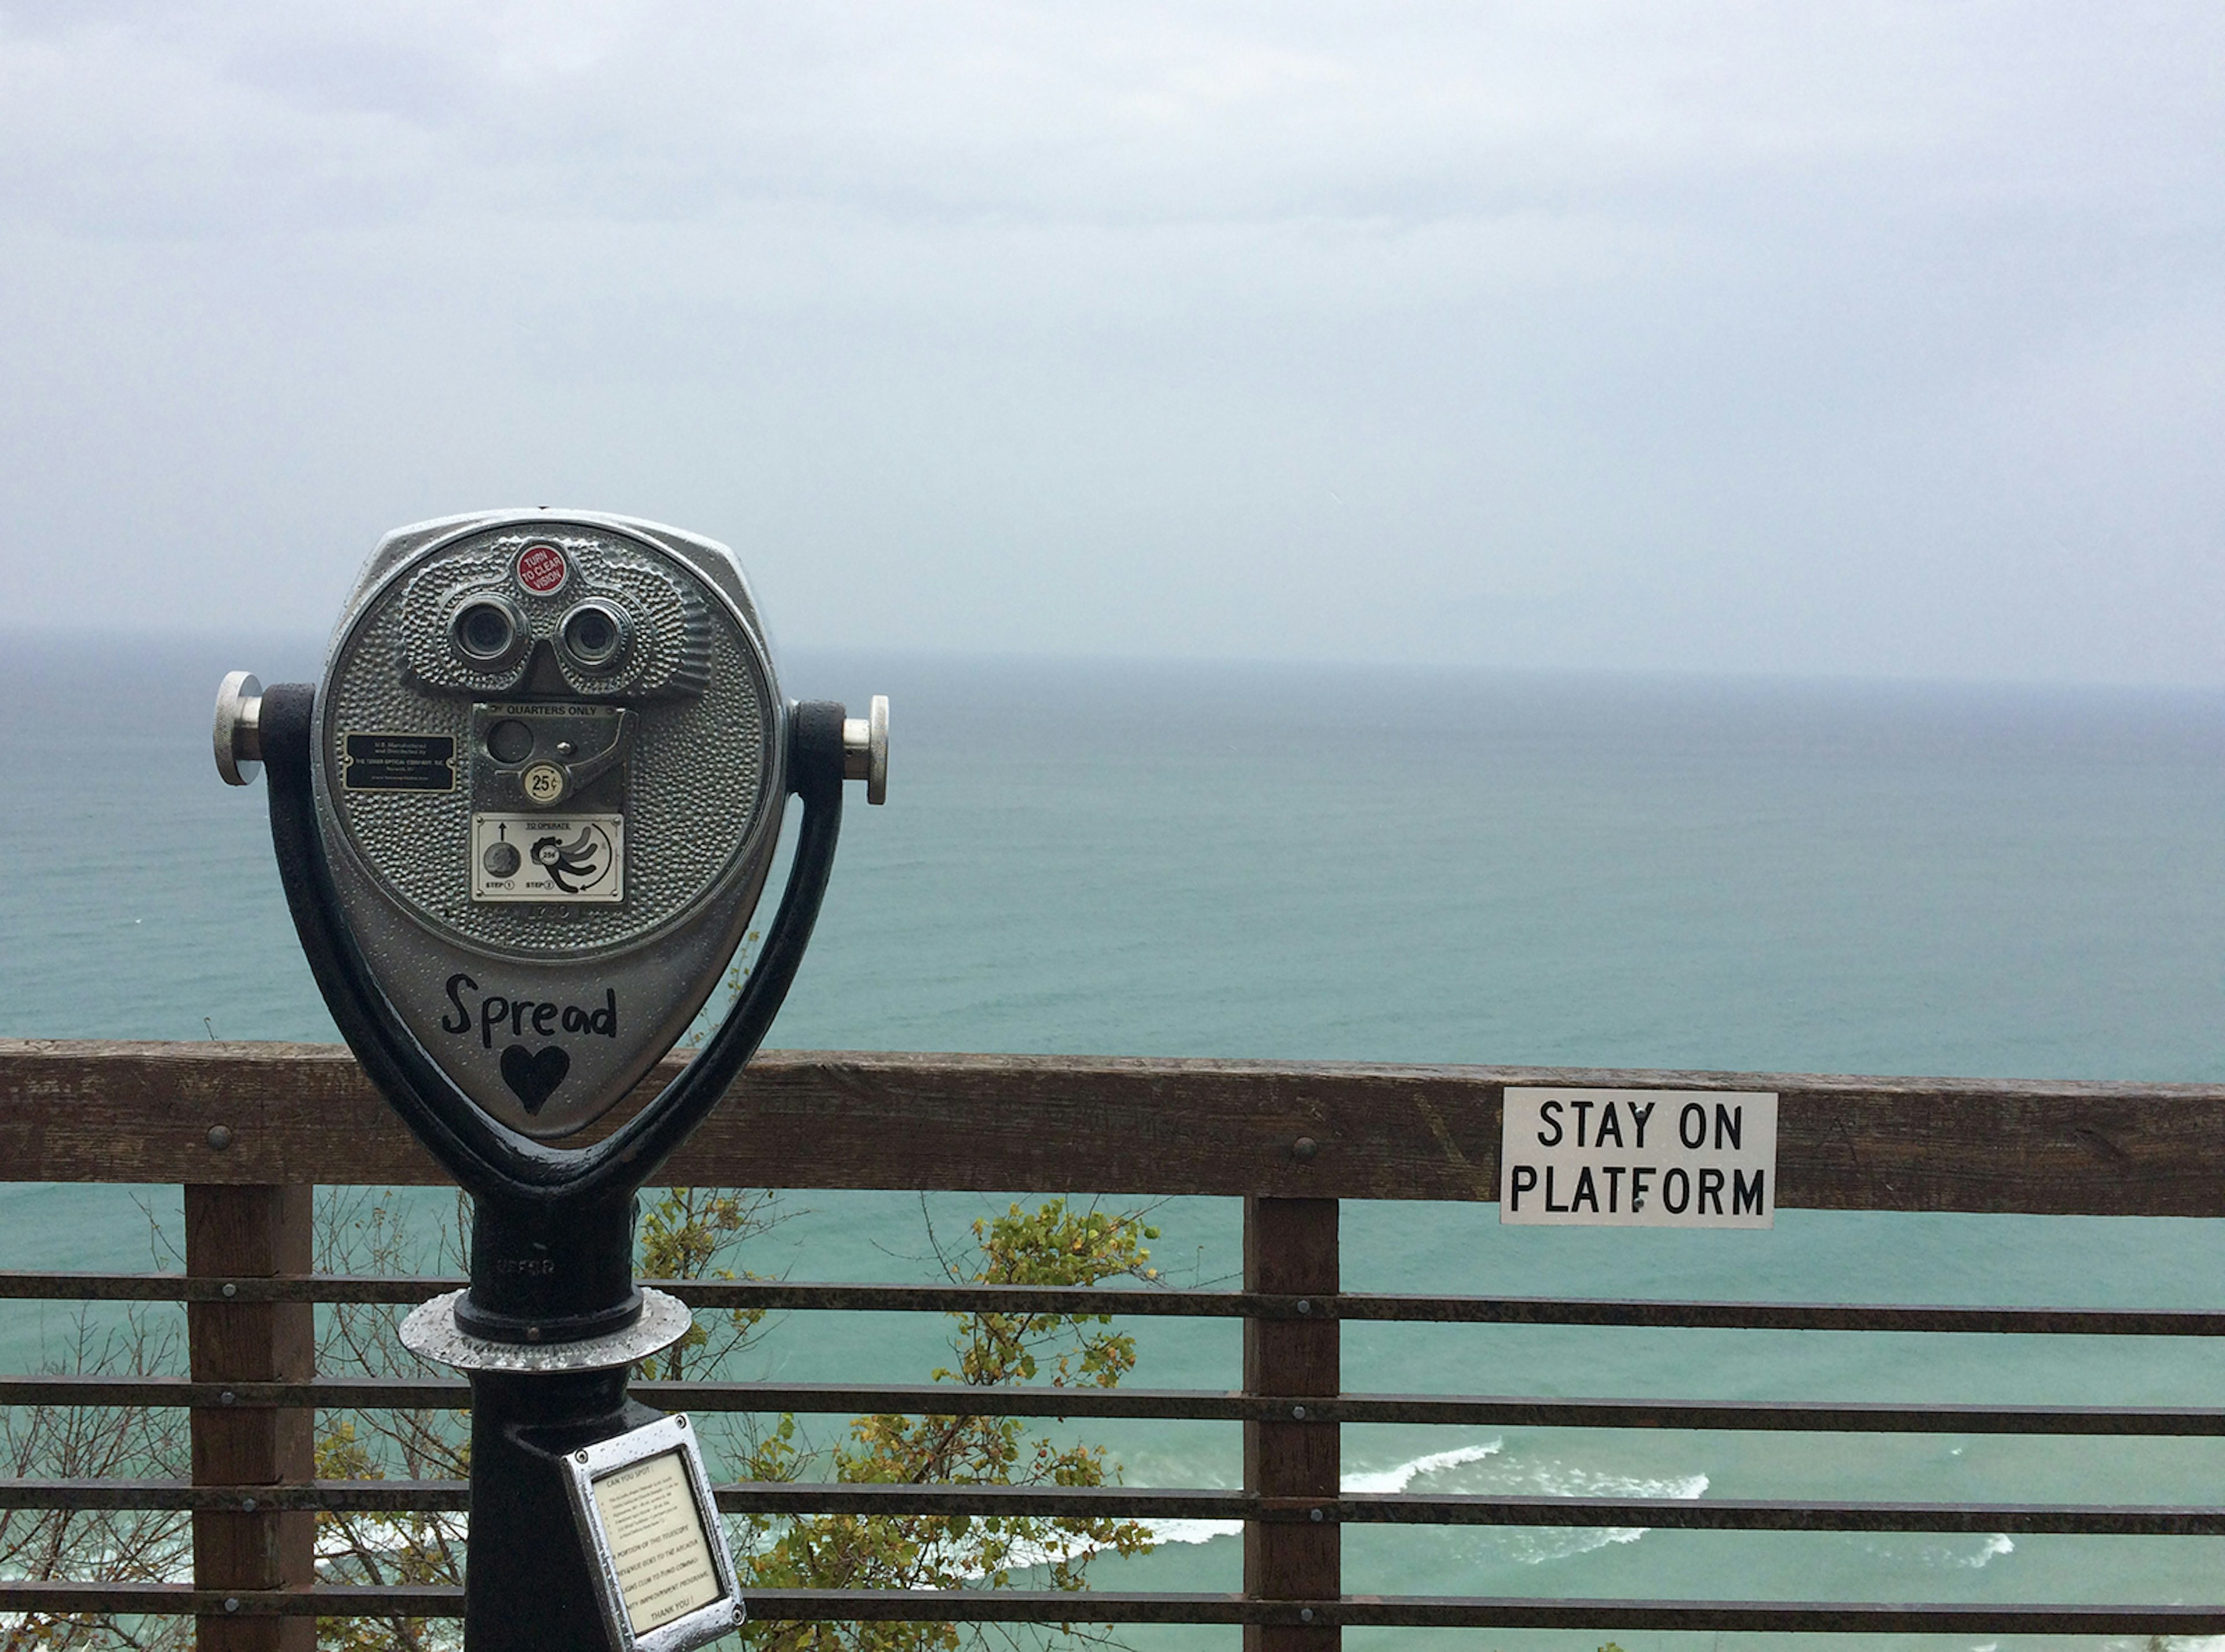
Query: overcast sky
1869,339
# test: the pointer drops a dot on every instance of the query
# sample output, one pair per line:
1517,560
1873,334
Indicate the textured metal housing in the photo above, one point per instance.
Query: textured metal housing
608,985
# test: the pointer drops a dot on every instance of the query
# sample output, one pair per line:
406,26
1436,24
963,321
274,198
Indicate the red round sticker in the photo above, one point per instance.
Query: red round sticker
541,569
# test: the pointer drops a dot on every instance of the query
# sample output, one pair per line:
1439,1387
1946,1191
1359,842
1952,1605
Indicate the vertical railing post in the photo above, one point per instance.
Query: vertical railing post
251,1232
1290,1248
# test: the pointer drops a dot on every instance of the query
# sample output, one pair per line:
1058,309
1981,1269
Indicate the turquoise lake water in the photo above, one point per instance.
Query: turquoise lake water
1378,864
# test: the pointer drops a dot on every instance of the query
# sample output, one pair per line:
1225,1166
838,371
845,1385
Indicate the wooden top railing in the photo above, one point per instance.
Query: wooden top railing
250,1128
284,1114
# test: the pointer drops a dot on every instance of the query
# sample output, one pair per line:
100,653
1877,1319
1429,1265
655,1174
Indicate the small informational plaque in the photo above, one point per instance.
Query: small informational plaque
658,1541
398,762
642,1501
547,857
1576,1157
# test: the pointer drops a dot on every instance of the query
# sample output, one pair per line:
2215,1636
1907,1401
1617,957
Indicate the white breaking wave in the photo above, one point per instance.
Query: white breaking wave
1520,1476
1996,1545
1989,1550
1193,1531
1393,1479
1380,1481
1531,1546
1397,1479
1535,1546
1564,1480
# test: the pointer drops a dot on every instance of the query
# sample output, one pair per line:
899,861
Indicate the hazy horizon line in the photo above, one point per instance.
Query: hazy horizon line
247,639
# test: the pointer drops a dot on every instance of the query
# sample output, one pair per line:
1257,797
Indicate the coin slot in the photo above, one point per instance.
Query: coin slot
509,741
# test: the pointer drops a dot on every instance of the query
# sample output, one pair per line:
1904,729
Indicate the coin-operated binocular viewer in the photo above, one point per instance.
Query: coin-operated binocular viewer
522,822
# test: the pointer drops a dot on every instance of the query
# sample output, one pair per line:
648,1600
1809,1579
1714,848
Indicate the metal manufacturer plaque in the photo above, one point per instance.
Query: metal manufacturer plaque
398,762
662,1572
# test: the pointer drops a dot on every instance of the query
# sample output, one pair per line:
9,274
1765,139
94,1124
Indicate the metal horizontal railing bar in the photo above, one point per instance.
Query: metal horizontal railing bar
949,1400
1040,1606
1397,1508
1772,1316
338,1496
1114,1501
931,1399
1753,1516
1471,1310
1012,1605
781,1295
181,1599
336,1393
399,1290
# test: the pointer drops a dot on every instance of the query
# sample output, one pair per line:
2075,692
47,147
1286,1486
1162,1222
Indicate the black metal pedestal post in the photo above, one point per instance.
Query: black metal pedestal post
527,1586
550,1271
543,1275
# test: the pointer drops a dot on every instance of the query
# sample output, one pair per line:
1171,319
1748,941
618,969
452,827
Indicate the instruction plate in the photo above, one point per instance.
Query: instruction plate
658,1545
663,1574
547,857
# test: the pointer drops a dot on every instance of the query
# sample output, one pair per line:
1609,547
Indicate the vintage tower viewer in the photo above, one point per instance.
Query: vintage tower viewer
523,820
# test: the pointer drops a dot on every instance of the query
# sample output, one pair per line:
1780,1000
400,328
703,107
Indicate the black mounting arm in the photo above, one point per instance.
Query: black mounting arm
491,1162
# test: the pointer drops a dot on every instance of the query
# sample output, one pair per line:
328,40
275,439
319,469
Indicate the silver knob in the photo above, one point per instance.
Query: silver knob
865,750
239,728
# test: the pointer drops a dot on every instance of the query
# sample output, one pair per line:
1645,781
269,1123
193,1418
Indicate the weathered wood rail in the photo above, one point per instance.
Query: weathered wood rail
276,1114
249,1129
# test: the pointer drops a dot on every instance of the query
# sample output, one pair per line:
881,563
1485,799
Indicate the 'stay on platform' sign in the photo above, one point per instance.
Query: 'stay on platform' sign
1639,1158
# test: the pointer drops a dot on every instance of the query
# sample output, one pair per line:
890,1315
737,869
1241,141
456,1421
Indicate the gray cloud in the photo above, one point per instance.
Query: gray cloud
1861,339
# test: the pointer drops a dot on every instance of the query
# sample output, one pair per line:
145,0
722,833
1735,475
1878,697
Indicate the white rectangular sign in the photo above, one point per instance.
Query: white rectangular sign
1639,1158
658,1541
663,1574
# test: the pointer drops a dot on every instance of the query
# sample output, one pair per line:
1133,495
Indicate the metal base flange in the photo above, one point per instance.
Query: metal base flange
431,1332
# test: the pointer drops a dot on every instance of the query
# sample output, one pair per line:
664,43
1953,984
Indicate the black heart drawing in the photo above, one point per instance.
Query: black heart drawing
535,1078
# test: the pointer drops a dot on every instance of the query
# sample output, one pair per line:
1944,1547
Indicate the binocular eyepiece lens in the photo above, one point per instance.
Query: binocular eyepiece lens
487,633
595,636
